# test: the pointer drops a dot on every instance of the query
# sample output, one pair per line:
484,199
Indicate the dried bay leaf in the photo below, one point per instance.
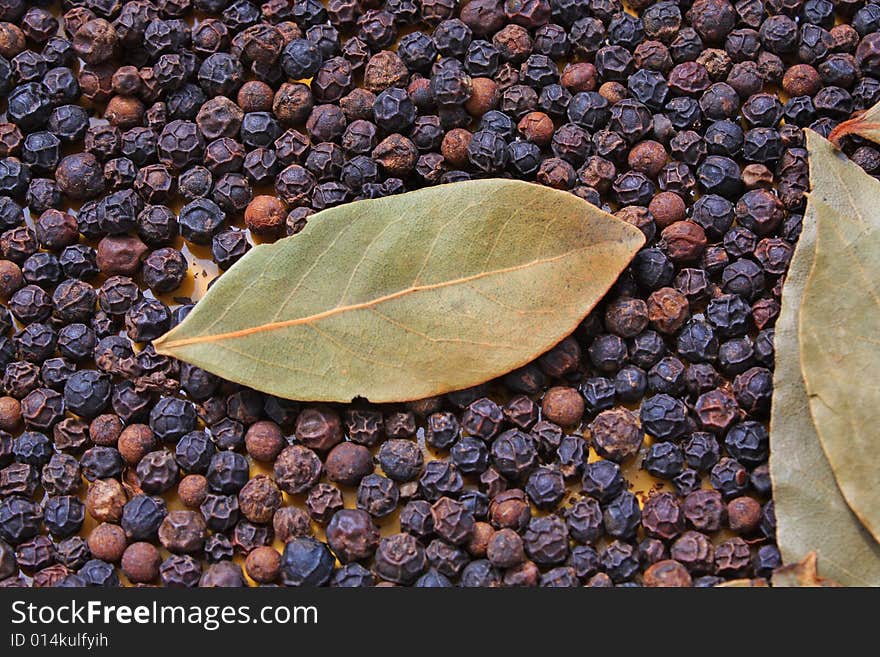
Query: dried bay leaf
408,296
866,125
801,574
811,512
839,325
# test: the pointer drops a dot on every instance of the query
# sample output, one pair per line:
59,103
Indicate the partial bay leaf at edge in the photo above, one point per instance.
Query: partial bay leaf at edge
839,326
811,512
866,125
408,296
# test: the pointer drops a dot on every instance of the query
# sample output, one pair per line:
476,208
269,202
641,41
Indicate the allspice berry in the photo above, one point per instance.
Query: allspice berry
265,215
124,112
263,564
580,76
140,562
801,80
105,429
105,500
264,440
455,145
667,208
259,499
348,463
291,522
667,310
537,128
563,405
11,278
107,542
484,96
667,573
648,157
120,254
192,490
612,91
10,413
255,96
683,241
743,514
135,441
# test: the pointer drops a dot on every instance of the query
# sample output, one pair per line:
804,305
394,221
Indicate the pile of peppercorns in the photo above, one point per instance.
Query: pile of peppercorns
167,121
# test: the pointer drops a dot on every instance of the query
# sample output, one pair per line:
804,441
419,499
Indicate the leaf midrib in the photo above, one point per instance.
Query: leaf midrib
161,344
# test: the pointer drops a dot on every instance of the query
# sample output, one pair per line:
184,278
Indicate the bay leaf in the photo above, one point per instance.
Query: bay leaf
801,574
408,296
839,325
866,125
811,512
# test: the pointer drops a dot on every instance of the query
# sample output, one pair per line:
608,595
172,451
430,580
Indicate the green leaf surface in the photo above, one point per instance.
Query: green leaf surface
408,296
811,512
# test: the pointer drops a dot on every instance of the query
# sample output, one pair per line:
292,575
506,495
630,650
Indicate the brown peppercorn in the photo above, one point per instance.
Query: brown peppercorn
96,83
505,549
264,441
717,409
525,574
255,96
105,499
124,112
662,516
297,469
683,241
626,317
107,542
192,490
757,176
695,551
358,104
259,499
667,310
844,38
648,157
536,127
10,413
140,562
513,42
801,80
743,515
455,145
318,427
484,96
126,81
612,91
105,430
511,509
80,176
120,254
397,155
348,463
580,76
291,522
479,542
183,531
12,40
135,441
11,278
352,535
732,557
293,102
265,215
385,69
95,42
667,573
563,405
704,510
616,434
263,564
667,208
